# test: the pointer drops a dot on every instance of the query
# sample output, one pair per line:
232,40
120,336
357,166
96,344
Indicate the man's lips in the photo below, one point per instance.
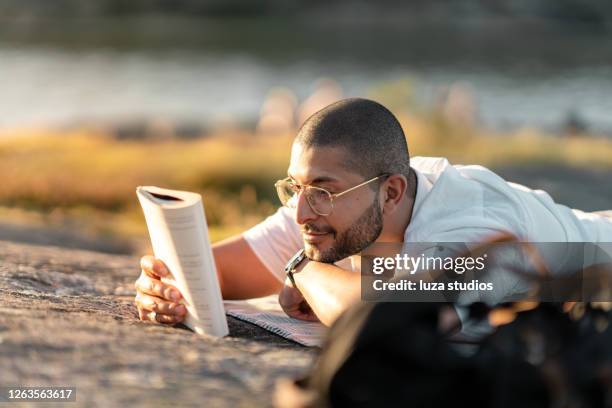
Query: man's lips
314,237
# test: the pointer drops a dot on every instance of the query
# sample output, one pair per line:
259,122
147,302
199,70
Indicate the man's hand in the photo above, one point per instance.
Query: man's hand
294,304
155,300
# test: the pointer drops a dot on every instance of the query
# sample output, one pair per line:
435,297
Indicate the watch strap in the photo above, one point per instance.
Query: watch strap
293,263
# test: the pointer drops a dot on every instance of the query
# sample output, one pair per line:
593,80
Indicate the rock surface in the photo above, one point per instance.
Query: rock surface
67,319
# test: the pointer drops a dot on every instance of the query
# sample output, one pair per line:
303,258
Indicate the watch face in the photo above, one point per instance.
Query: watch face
294,261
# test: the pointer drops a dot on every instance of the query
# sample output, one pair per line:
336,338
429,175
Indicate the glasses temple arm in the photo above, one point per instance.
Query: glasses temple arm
359,185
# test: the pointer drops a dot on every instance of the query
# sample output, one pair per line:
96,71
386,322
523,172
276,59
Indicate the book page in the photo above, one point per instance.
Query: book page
266,313
179,237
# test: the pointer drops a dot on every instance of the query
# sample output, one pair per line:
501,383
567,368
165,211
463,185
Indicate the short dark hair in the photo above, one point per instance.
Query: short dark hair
371,134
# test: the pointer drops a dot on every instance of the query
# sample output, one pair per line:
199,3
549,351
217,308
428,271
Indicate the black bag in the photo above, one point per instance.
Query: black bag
394,355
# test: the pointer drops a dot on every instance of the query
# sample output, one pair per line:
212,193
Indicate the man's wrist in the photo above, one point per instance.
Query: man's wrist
290,280
294,265
302,265
301,272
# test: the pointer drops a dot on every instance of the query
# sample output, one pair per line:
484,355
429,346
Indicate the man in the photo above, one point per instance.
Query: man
351,183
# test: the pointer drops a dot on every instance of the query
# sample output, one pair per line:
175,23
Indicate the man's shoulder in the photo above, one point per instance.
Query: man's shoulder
457,176
436,165
462,203
426,164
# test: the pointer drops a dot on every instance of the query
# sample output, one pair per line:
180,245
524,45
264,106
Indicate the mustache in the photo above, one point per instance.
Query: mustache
311,228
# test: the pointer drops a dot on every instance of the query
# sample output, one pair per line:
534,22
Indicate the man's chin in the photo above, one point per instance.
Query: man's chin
318,254
312,252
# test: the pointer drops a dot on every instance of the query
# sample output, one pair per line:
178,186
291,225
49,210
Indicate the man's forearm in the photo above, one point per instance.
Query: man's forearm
329,290
241,273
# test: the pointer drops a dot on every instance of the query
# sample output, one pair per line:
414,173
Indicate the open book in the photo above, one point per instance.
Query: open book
179,236
266,313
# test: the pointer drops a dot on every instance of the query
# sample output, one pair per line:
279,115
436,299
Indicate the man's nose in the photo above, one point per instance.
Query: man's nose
303,211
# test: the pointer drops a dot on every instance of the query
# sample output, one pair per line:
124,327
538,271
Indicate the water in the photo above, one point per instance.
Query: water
53,86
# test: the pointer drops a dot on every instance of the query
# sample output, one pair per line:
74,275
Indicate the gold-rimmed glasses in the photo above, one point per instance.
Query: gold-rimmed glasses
320,200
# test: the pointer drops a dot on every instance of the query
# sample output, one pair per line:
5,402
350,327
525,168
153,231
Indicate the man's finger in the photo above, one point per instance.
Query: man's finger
168,319
162,318
154,287
144,313
155,304
154,267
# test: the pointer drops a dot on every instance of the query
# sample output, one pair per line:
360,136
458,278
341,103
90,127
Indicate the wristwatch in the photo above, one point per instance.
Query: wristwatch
293,263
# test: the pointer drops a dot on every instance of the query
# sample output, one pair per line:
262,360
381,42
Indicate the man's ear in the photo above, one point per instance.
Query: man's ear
393,190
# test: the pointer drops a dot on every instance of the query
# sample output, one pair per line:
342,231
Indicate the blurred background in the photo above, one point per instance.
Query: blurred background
99,97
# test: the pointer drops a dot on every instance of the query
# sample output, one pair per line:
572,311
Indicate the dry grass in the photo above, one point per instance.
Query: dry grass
87,179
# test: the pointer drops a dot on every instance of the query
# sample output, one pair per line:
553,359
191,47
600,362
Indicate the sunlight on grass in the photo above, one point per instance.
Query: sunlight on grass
87,180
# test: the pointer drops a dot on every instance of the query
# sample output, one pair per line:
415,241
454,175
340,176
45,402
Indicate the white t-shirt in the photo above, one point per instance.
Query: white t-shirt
454,203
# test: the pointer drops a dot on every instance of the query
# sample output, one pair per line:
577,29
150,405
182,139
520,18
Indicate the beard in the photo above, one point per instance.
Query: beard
364,231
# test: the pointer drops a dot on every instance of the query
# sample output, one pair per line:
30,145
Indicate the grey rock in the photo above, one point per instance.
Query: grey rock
67,318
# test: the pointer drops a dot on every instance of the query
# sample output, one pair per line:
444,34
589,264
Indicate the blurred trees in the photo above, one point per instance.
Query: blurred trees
591,11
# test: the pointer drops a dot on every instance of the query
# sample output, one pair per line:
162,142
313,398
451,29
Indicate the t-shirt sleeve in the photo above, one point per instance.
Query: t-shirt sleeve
275,240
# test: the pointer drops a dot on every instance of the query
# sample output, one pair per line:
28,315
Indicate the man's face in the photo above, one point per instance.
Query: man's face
356,220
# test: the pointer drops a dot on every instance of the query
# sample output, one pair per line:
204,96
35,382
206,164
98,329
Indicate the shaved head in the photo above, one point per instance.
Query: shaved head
371,135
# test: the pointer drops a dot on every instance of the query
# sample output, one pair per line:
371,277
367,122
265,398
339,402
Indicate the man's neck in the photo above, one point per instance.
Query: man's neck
398,222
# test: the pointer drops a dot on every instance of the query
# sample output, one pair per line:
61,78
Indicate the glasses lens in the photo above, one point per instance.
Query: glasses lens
319,200
286,193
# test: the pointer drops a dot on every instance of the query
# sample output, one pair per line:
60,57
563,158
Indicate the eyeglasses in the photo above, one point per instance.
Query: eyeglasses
320,200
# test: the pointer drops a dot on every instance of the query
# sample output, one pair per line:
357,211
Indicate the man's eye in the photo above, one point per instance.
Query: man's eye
330,191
